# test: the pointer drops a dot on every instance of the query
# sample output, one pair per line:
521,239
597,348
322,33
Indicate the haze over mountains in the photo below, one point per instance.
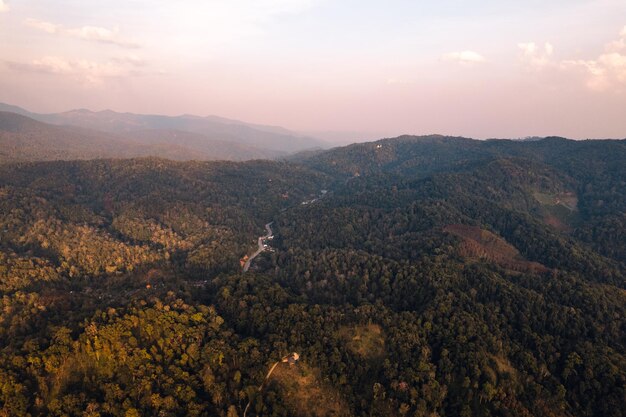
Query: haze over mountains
400,215
83,134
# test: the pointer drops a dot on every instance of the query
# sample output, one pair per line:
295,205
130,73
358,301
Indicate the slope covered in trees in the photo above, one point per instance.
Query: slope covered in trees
449,277
25,139
272,140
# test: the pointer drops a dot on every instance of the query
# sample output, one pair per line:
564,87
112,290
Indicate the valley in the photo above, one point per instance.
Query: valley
262,247
434,282
310,208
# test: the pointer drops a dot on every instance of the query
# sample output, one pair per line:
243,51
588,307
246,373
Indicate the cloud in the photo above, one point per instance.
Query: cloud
618,45
3,6
464,57
131,59
52,65
86,33
43,26
606,72
84,71
535,56
99,34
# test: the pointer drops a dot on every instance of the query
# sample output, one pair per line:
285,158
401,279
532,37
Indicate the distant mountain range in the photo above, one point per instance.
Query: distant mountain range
84,134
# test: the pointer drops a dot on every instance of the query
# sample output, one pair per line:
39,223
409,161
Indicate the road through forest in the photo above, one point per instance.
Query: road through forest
261,248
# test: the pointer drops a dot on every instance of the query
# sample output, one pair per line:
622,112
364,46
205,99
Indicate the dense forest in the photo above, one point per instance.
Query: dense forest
415,276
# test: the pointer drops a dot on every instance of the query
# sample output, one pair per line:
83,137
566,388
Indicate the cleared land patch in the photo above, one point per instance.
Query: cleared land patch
367,341
559,210
485,245
302,390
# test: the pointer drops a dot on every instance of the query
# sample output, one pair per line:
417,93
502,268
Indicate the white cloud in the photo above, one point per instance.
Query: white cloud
3,6
535,56
602,74
131,59
52,64
84,71
98,34
87,33
606,72
618,45
43,26
464,57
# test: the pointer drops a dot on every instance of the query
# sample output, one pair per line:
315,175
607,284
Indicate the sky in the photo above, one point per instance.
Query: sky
347,69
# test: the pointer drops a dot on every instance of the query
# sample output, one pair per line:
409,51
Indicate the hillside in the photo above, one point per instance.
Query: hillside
450,277
268,138
25,139
421,155
163,143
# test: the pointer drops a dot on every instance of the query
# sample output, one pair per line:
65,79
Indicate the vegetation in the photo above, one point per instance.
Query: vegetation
82,134
436,282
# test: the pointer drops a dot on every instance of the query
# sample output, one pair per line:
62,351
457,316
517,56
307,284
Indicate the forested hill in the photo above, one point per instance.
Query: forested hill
410,155
414,276
25,139
578,188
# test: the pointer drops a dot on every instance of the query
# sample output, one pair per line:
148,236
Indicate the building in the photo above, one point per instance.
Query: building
292,358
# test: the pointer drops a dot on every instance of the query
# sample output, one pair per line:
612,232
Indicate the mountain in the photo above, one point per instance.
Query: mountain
423,155
413,276
198,145
269,138
25,139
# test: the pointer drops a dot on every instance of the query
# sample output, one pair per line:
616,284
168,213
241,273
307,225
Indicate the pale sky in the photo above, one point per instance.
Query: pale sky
491,68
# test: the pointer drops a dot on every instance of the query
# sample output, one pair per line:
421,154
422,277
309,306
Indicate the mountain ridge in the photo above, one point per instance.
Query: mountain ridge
273,138
26,139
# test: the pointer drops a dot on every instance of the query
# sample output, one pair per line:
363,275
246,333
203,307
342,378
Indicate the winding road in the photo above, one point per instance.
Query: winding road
261,248
267,377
